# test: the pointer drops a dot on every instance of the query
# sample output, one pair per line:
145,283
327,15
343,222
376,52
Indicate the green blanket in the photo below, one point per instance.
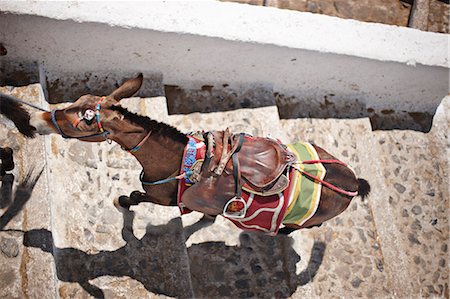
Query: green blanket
305,193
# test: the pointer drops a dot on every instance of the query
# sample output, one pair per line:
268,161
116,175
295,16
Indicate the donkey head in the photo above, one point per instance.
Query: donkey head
90,118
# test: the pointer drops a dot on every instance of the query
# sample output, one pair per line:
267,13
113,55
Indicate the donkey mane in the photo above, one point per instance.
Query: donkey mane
156,127
17,114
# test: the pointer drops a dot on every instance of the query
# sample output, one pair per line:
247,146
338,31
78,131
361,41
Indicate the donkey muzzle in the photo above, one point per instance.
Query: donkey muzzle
42,122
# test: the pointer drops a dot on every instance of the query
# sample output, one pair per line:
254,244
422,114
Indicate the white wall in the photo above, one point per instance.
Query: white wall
210,42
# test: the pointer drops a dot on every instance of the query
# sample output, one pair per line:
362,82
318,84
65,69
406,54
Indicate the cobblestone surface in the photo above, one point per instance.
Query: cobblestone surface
394,244
259,267
353,265
144,247
418,195
415,170
224,261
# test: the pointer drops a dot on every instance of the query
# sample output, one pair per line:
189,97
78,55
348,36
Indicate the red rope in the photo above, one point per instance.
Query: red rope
331,186
324,162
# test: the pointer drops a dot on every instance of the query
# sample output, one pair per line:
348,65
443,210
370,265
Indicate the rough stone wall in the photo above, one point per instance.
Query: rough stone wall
379,11
438,17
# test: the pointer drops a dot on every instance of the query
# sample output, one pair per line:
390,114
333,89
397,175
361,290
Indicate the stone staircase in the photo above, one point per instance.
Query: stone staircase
69,241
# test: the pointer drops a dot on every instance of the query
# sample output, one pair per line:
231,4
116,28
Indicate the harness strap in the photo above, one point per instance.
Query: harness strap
236,172
138,146
329,185
225,155
55,123
103,134
330,161
76,122
237,200
97,114
166,180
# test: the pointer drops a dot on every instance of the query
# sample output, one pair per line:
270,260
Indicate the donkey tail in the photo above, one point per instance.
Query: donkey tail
17,114
363,188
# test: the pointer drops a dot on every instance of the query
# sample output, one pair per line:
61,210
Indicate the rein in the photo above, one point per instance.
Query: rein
14,99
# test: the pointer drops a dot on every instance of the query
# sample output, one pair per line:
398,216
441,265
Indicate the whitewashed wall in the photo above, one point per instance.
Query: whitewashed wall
210,42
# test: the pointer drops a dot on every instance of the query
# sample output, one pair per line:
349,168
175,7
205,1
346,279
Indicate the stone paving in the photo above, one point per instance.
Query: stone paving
68,240
416,196
353,265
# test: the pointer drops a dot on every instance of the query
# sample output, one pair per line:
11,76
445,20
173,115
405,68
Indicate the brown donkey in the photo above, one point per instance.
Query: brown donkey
160,149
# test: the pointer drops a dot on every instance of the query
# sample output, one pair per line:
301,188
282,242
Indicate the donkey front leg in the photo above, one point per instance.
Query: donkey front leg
135,198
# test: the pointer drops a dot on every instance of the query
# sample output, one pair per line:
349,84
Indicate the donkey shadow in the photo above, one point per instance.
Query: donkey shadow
14,202
261,267
157,260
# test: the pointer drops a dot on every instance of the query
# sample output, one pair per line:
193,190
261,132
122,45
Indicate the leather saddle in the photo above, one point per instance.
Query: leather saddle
237,161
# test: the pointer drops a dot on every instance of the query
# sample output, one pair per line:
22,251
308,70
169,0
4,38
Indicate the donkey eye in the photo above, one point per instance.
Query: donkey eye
89,115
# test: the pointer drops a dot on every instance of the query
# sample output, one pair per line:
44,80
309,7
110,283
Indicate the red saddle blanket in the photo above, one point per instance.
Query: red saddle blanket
264,213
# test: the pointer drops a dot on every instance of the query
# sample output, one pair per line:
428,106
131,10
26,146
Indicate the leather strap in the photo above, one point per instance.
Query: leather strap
236,172
138,146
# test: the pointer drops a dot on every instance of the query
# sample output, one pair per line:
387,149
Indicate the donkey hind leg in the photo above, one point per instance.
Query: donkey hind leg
289,229
204,222
7,161
135,198
286,230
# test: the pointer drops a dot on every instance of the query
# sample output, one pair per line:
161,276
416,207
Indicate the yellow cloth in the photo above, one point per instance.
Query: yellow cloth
305,193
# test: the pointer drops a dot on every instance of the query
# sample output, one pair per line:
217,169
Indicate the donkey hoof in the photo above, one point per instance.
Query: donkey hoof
122,202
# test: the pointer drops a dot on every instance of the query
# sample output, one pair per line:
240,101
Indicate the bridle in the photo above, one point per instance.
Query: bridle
102,132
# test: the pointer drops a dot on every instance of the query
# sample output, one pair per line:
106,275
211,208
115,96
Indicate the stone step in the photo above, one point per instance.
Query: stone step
28,267
403,225
263,121
86,226
211,248
224,260
414,202
97,248
77,236
353,264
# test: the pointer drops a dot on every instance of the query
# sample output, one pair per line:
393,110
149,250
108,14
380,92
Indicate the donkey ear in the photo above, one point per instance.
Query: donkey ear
127,89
